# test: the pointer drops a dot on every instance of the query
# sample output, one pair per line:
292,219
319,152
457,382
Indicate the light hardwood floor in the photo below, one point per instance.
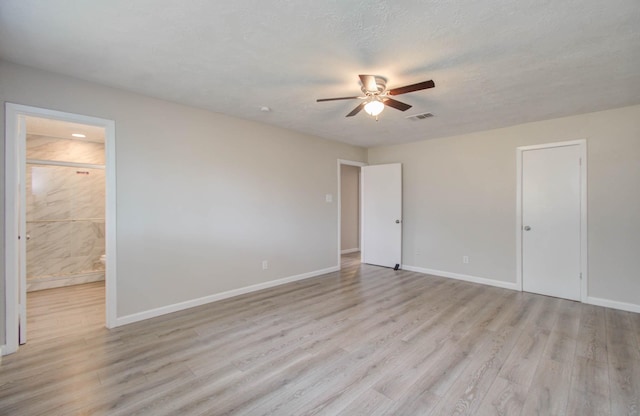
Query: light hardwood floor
364,341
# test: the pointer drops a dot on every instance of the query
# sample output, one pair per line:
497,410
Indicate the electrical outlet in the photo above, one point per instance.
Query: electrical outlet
265,264
465,259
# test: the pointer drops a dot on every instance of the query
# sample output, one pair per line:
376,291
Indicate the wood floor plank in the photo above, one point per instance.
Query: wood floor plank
624,379
589,393
467,393
522,363
414,403
592,337
549,391
369,403
562,342
504,398
447,332
365,340
621,331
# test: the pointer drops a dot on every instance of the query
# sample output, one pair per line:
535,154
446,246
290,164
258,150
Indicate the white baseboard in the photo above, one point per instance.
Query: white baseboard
623,306
350,250
5,350
152,313
465,277
43,283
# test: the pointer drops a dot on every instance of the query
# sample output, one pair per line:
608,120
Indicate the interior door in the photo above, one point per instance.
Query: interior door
382,215
551,221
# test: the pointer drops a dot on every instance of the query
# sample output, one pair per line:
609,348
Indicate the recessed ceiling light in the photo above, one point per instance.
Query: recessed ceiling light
78,135
265,109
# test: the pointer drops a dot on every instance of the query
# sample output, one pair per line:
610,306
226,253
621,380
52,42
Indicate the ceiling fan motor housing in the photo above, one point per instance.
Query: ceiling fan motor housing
381,84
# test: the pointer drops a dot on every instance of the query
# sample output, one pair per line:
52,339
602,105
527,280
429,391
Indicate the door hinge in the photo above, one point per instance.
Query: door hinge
580,161
580,276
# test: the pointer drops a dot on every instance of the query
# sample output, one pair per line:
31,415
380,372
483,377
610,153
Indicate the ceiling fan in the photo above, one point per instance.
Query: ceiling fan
376,95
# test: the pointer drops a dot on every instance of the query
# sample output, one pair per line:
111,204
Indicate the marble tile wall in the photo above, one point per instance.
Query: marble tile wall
67,150
65,211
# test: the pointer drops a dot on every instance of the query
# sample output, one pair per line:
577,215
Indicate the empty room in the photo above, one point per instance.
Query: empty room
333,208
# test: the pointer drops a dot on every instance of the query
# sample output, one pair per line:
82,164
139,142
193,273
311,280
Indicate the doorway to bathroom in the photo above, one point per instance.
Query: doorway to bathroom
60,229
349,213
64,204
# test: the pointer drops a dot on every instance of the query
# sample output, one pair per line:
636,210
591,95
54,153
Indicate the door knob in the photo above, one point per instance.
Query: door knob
527,228
397,221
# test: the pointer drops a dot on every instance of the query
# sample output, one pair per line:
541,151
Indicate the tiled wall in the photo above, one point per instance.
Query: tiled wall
52,148
65,210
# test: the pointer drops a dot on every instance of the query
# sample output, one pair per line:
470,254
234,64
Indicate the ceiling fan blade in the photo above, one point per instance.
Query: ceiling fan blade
319,100
356,110
413,87
369,82
396,104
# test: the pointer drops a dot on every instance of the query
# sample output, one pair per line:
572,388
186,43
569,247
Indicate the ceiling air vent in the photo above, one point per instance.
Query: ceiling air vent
422,116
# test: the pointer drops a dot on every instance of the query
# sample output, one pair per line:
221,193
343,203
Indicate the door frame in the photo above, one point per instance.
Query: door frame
339,199
15,162
582,145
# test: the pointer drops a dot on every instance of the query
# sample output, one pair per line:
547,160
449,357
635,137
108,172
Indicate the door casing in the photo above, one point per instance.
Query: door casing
15,161
582,145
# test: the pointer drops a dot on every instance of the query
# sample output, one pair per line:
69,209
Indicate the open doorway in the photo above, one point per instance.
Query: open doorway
378,216
349,235
64,226
60,228
64,204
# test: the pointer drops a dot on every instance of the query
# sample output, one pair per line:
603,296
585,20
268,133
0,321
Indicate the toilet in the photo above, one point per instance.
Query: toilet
103,259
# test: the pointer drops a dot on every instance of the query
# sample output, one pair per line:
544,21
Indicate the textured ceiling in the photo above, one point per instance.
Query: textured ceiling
495,62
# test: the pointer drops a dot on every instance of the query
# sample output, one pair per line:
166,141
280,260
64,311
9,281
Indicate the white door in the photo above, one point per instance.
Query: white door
551,223
382,215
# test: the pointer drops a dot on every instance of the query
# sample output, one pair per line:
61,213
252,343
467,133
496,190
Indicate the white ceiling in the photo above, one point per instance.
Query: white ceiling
64,129
495,62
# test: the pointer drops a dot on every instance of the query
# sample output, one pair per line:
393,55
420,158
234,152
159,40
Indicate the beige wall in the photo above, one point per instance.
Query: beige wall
202,198
350,207
460,199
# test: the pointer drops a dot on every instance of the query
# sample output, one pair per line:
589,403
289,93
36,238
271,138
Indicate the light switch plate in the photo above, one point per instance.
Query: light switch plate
328,198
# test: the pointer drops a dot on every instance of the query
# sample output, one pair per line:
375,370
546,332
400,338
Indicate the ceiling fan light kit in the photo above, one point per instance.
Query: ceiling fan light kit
376,96
374,107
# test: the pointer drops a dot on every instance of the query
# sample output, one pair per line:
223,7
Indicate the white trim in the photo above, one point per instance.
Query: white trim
152,313
352,163
519,219
13,162
576,142
582,145
11,231
463,277
584,246
339,199
44,283
623,306
350,250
